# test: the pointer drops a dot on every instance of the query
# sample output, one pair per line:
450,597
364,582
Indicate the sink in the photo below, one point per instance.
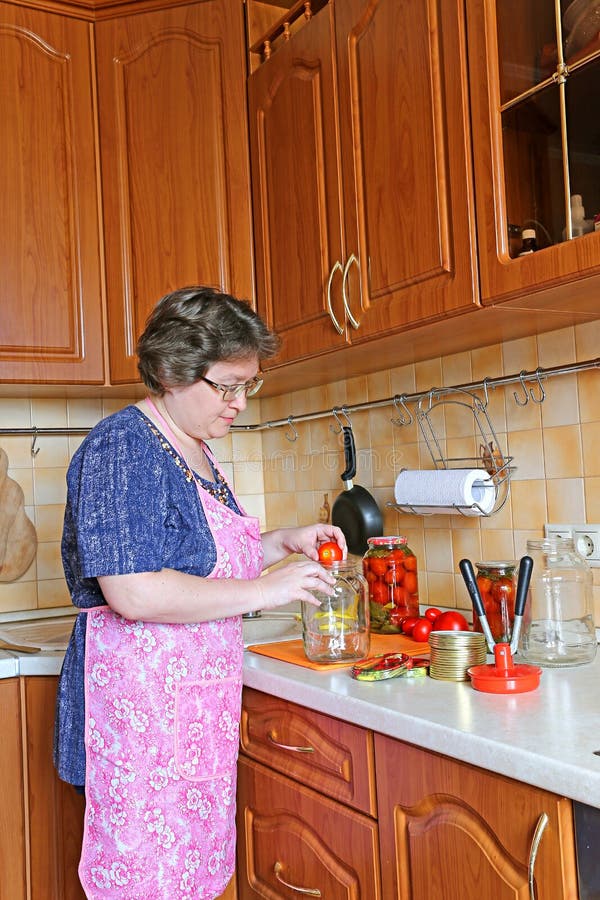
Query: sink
272,626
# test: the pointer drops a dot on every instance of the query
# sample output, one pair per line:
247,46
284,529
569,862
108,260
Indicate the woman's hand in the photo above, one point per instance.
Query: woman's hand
281,543
293,582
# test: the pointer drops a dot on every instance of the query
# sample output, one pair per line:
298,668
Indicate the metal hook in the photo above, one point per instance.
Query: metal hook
542,394
486,397
525,399
34,450
294,435
405,416
335,412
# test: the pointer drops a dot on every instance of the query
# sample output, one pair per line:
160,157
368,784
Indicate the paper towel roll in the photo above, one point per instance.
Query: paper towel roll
441,490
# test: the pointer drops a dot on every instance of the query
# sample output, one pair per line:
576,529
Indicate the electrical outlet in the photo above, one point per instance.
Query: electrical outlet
585,537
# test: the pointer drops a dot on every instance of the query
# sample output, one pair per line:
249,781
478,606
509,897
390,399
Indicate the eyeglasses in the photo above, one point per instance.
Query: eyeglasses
232,391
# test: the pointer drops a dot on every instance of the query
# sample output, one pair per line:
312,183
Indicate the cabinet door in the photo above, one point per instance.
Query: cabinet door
292,841
13,881
174,149
297,192
450,831
51,321
535,144
404,127
55,810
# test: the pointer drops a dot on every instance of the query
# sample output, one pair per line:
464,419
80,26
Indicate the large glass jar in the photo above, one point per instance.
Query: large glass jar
390,567
558,628
497,585
338,629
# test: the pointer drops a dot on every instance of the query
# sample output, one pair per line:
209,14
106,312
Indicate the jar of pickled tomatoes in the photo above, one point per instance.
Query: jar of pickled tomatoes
390,567
497,585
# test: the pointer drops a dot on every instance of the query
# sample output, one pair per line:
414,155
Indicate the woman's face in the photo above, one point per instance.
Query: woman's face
200,410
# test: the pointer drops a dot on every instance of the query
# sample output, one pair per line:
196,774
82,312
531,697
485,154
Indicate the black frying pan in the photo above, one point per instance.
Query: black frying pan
355,511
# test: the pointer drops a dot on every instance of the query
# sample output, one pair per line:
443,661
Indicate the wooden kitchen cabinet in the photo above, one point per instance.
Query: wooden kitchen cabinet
535,144
13,879
450,831
292,836
50,258
54,809
361,172
175,171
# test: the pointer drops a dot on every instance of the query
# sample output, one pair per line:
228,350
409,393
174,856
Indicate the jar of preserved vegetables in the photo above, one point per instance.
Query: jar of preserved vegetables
390,567
497,585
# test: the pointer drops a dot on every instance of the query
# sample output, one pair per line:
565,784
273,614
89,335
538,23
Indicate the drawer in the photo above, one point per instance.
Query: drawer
295,842
331,756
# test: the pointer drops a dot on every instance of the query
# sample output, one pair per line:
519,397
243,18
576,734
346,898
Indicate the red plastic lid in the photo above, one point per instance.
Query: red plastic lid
503,676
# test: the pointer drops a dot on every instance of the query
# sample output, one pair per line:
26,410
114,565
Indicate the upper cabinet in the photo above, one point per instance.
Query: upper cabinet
534,71
50,263
124,175
361,170
174,154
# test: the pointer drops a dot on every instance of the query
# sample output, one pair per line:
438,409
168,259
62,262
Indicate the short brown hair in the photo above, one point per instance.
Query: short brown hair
191,328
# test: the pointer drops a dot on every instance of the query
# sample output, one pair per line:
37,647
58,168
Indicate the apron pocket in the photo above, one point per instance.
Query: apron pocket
207,725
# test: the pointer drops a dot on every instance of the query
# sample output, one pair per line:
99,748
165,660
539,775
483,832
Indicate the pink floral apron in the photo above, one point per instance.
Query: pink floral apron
162,733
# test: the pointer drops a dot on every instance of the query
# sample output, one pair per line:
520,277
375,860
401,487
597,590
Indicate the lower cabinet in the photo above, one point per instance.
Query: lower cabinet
13,883
294,841
437,829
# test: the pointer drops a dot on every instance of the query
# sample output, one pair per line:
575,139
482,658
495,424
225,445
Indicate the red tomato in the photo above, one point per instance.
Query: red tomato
409,623
432,613
410,563
379,593
395,575
397,617
378,565
421,630
330,552
451,621
484,584
410,582
401,595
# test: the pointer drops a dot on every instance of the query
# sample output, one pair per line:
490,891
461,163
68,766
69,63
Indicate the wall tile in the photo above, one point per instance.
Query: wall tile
529,506
563,456
49,413
15,413
565,500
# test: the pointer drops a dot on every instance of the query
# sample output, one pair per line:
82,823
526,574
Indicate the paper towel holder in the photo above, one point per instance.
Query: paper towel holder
491,460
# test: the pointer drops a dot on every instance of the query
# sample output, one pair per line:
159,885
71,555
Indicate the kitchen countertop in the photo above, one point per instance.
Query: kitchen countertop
547,737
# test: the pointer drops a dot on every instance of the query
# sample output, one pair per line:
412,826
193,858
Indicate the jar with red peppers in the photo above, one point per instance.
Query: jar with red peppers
497,585
390,567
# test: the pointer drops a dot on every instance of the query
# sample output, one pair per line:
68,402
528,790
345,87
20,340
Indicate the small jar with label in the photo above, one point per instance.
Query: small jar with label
338,630
390,567
497,585
529,244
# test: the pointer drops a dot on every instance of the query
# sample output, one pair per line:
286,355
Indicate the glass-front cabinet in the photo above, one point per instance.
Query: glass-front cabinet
534,72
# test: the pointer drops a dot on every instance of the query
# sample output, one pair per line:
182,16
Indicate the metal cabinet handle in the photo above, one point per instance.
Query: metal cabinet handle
288,746
308,892
535,845
351,259
339,328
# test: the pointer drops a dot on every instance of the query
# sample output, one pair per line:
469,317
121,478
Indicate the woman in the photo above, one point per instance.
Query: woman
159,554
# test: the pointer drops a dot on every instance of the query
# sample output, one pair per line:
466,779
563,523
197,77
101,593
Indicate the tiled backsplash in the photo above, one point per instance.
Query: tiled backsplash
554,445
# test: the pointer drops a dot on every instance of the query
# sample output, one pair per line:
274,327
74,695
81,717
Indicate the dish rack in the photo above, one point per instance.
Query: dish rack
495,464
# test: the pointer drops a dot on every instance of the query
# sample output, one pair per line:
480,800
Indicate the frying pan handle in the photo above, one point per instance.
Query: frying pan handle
349,454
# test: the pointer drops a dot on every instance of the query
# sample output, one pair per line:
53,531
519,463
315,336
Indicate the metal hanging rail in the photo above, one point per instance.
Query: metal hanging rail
535,393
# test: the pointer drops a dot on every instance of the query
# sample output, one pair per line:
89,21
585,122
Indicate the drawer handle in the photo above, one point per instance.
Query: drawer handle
535,845
287,746
308,892
351,259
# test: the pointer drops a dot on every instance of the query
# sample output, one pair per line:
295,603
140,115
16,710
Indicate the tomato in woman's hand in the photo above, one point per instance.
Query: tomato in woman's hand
330,552
408,624
421,630
451,621
432,613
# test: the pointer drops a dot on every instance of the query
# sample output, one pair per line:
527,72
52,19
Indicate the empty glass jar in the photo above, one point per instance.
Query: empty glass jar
558,625
338,629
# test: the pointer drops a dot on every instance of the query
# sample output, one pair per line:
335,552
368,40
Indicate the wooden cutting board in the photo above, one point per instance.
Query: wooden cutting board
293,651
18,539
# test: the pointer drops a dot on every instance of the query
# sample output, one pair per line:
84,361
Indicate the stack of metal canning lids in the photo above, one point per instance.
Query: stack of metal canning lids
453,652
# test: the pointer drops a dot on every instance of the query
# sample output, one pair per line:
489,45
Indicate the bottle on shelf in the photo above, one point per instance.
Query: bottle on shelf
579,224
529,240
